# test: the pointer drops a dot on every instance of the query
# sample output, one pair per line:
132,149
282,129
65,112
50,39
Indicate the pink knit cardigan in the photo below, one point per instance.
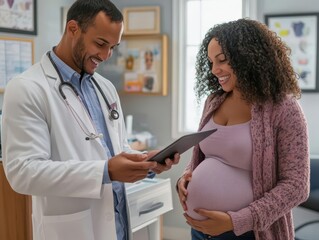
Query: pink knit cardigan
280,167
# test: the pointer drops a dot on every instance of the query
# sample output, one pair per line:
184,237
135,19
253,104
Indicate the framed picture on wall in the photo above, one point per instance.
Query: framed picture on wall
141,20
300,32
18,16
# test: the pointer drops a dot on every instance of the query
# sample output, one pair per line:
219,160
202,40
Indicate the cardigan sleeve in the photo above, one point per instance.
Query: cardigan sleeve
283,163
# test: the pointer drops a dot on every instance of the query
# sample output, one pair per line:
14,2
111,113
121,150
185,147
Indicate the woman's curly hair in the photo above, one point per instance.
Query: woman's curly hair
258,57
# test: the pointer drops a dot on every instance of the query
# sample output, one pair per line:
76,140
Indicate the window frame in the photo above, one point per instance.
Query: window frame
179,59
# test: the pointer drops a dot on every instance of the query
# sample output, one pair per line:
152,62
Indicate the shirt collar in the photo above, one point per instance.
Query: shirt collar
66,71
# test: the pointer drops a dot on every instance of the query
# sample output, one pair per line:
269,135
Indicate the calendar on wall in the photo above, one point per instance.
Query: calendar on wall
16,56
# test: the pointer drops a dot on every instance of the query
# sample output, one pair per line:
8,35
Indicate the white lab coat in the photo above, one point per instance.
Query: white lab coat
45,155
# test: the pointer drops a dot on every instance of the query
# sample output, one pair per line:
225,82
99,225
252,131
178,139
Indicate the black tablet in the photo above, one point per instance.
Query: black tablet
181,145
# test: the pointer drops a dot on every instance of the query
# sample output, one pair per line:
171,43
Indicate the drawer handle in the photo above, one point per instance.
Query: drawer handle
152,208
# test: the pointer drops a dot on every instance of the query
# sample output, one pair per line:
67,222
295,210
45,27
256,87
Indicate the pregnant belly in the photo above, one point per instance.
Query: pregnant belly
218,186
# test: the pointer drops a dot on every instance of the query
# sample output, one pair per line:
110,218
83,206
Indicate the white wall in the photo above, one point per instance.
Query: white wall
49,25
310,105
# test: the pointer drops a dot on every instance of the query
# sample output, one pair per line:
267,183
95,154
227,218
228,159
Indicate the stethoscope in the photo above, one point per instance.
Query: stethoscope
113,113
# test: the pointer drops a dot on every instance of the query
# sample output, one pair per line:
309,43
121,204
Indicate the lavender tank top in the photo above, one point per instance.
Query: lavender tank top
223,180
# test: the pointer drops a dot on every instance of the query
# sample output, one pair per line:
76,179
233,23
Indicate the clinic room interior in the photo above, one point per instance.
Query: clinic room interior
158,100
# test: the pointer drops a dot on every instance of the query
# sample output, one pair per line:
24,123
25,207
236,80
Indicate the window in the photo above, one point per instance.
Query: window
194,19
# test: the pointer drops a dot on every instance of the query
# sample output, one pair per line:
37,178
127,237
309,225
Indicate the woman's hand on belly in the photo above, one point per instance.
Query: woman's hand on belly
182,188
216,223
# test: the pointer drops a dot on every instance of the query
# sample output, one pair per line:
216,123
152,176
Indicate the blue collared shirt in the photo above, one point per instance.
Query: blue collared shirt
90,99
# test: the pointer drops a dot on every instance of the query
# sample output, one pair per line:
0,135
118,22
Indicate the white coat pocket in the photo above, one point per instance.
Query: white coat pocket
77,226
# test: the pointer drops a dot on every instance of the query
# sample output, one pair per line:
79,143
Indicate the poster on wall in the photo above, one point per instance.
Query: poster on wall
300,32
18,16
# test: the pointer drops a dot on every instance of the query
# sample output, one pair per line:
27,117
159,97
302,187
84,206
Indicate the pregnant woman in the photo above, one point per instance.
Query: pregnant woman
243,181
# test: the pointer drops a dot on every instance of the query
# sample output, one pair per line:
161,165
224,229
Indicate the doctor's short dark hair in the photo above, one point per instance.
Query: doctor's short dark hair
258,57
85,11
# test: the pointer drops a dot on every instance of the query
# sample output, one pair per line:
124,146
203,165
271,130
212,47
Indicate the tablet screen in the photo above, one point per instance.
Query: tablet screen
181,145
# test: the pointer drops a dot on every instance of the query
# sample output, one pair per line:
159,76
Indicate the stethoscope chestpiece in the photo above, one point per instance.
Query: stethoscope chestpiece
114,114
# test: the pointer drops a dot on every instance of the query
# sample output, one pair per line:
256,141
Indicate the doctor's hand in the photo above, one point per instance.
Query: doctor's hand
181,187
126,167
216,223
168,162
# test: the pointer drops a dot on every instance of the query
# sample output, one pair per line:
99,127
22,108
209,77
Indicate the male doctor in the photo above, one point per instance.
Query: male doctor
64,140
